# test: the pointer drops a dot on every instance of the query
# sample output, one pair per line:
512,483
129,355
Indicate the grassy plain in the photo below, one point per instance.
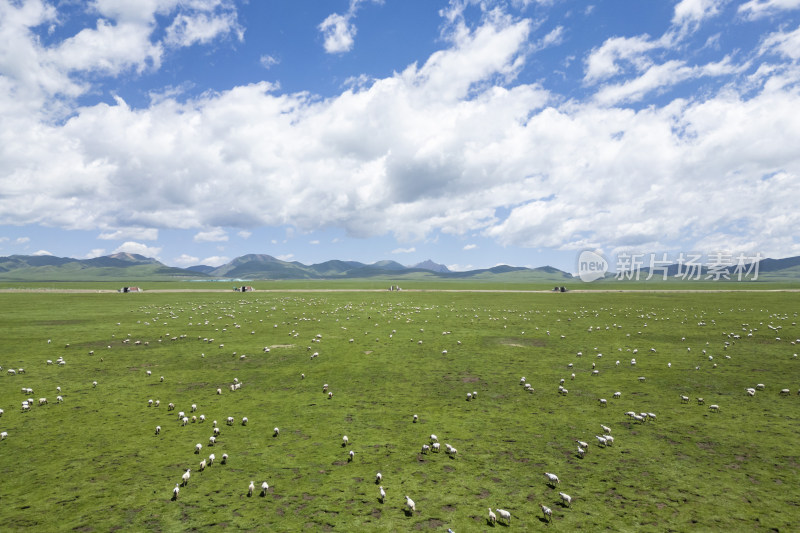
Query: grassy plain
93,463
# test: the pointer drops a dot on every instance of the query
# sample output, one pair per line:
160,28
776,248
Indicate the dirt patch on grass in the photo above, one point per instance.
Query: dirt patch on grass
448,468
368,352
519,342
376,513
431,523
483,494
282,346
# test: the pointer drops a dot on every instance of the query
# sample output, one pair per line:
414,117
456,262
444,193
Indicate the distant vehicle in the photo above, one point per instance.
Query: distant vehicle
245,288
130,289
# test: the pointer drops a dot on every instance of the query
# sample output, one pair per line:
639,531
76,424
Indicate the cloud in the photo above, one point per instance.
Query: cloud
285,257
692,11
185,260
214,235
470,246
142,234
244,234
268,61
22,240
314,242
41,252
755,9
455,145
339,31
215,261
404,250
132,247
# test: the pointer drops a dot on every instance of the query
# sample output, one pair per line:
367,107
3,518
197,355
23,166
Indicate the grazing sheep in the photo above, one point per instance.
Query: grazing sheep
582,444
378,478
684,399
783,392
198,447
43,401
548,514
383,494
601,440
211,459
186,476
244,421
552,479
216,431
566,499
425,448
1,412
171,407
351,455
700,401
94,384
175,492
181,415
435,447
219,391
617,395
415,419
492,517
434,438
3,435
264,487
202,465
230,421
202,418
149,403
505,515
194,407
224,458
609,440
603,402
760,386
410,504
194,419
605,428
184,421
212,440
581,452
345,440
251,488
158,430
713,407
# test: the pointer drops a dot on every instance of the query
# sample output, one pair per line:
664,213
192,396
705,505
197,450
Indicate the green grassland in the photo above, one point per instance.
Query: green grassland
94,463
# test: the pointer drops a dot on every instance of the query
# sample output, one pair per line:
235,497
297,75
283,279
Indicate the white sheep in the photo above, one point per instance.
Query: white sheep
244,421
505,515
415,419
230,421
158,430
410,504
251,488
264,487
548,514
216,431
581,452
609,440
212,440
760,386
186,476
617,395
351,455
194,407
224,458
94,384
425,448
197,448
3,435
345,440
383,494
684,399
175,492
149,403
435,447
783,392
202,465
492,517
202,418
219,391
184,421
552,479
713,407
601,440
605,428
211,459
603,402
378,478
566,499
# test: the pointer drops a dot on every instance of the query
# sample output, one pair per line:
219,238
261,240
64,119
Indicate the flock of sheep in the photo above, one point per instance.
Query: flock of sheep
175,417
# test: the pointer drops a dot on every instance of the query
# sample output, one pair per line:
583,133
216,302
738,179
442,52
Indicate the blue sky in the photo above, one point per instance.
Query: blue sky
473,133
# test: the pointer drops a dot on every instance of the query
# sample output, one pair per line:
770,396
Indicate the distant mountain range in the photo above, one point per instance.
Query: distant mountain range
127,267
